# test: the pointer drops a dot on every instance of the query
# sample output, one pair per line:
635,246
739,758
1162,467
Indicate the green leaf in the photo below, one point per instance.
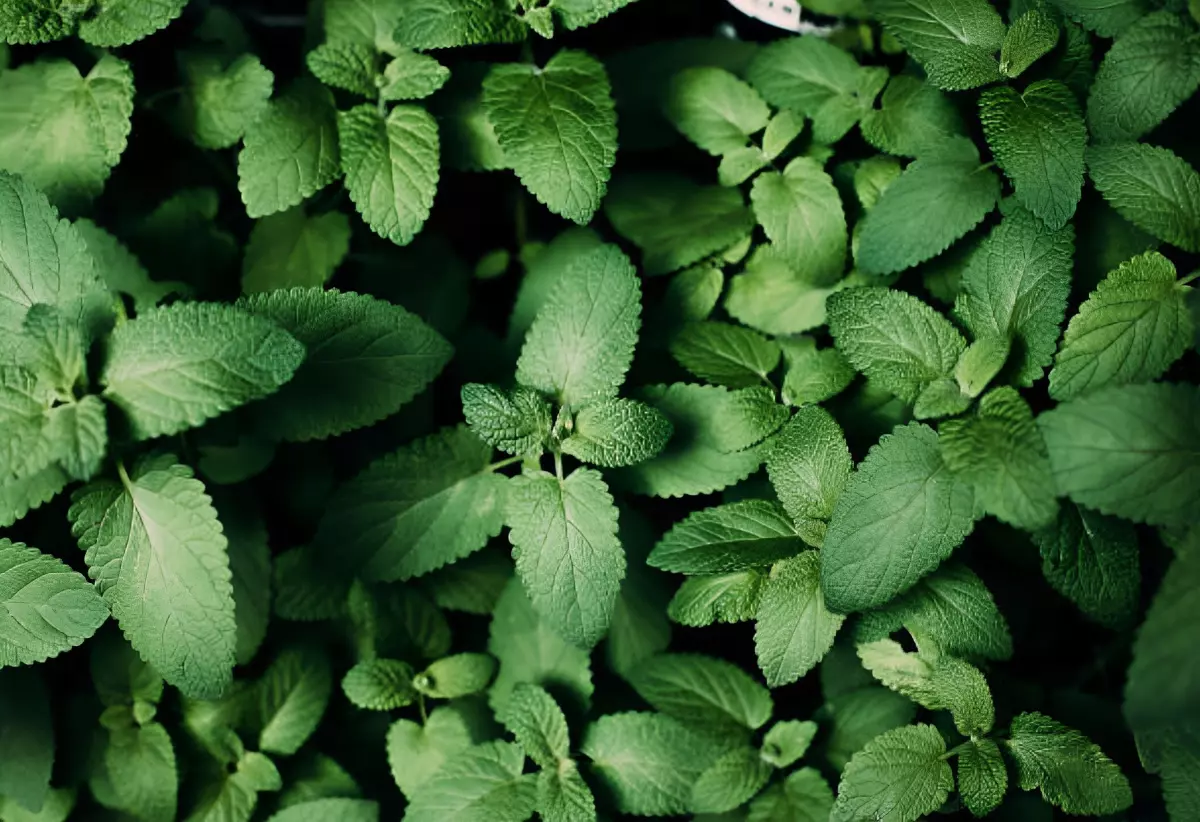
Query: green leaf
222,100
33,21
563,534
913,117
472,585
732,537
517,422
704,600
784,127
412,76
794,628
290,151
531,650
1152,187
1000,453
1015,287
648,762
703,692
426,505
803,797
1032,35
140,762
902,514
19,497
1038,138
640,627
172,368
368,23
27,729
898,777
345,65
235,796
119,269
292,249
861,715
731,781
157,523
980,364
379,685
982,776
675,221
940,398
961,689
1092,560
808,464
1106,18
538,724
725,354
813,375
250,564
121,22
558,129
691,296
774,297
481,784
576,14
802,215
367,358
1071,771
581,343
1151,69
1129,451
48,608
787,741
939,198
956,43
63,131
292,696
1130,330
440,24
456,676
614,433
563,796
339,808
57,807
714,109
899,342
416,752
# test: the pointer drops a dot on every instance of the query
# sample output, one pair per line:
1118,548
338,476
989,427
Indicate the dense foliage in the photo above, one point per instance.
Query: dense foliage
842,462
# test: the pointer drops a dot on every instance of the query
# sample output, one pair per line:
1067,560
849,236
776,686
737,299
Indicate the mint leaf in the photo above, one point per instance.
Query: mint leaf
576,14
379,685
939,198
293,249
704,600
982,776
813,375
439,24
140,766
863,714
121,22
1152,187
702,691
290,151
581,343
787,741
27,728
172,368
538,724
159,523
808,464
1107,18
20,496
774,297
558,129
715,110
902,514
426,505
1031,36
1129,451
517,422
340,808
222,100
794,629
412,76
913,117
1071,771
484,783
1130,330
563,796
1152,68
456,676
900,343
725,354
349,66
367,23
956,43
613,433
640,627
564,541
48,608
899,776
367,358
803,797
33,21
119,270
802,215
292,696
1038,138
416,752
730,781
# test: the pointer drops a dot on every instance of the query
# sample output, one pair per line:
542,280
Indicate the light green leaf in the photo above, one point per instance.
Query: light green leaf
648,762
112,23
787,741
1032,35
902,514
899,342
740,164
440,24
861,715
19,497
345,65
1153,188
339,808
426,505
704,600
416,752
703,691
898,777
235,796
538,724
117,267
804,796
412,76
48,608
913,117
367,23
33,21
1130,451
563,796
456,676
558,128
367,358
808,463
782,129
960,688
774,297
940,398
1038,138
576,14
813,375
982,776
691,296
1151,69
725,354
613,433
292,696
980,364
731,781
714,109
172,368
63,131
221,100
481,784
1071,771
581,343
675,221
1130,330
140,764
57,807
955,42
794,628
517,422
157,523
379,685
563,534
733,537
802,215
292,249
290,151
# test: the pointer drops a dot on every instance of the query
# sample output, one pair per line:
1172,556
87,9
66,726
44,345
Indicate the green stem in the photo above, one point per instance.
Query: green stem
504,463
558,468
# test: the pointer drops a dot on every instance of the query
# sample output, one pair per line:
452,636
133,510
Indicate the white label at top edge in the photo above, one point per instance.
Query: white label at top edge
784,14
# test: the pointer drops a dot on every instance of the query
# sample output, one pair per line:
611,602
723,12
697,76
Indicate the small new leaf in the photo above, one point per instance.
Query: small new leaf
517,422
379,685
613,433
538,724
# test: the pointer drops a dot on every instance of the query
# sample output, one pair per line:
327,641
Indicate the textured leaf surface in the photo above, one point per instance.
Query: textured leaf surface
292,249
1030,37
439,24
379,685
715,110
725,354
913,116
808,465
221,101
612,433
1071,771
140,764
412,76
516,422
802,215
732,537
292,696
703,600
121,22
416,752
982,776
955,42
538,725
1152,187
731,781
794,629
481,784
898,777
702,691
772,296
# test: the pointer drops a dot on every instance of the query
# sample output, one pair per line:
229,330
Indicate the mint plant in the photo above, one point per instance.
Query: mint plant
586,409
